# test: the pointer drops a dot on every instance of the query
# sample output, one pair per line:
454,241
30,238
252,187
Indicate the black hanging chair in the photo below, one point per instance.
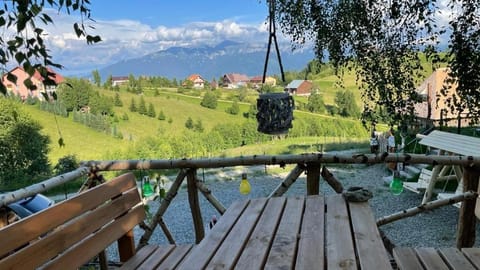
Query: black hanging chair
274,110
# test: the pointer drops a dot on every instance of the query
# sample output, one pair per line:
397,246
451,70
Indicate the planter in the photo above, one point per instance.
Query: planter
275,113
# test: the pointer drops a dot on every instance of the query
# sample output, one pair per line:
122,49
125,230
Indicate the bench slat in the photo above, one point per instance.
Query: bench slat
340,251
371,253
406,259
88,248
227,254
202,252
62,238
282,253
255,253
310,248
455,259
431,259
28,229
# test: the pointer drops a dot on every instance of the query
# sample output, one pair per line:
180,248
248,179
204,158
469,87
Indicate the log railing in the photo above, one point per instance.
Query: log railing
310,163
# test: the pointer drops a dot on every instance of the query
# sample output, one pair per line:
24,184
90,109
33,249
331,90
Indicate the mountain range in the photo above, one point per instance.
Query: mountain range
210,61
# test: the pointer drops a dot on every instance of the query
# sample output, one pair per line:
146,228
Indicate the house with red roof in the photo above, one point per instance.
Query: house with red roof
235,80
197,80
42,85
299,87
256,81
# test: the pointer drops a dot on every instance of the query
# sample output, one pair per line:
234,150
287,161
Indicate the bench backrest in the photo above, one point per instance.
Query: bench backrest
70,233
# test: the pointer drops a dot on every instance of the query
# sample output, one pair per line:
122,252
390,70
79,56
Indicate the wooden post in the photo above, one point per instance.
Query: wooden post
331,180
195,205
209,196
291,178
467,218
126,246
427,196
313,178
166,231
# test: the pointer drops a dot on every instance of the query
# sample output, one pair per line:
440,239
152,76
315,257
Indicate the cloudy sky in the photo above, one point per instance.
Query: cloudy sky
135,28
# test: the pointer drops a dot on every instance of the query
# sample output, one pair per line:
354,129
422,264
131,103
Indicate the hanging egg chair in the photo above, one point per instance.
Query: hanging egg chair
274,110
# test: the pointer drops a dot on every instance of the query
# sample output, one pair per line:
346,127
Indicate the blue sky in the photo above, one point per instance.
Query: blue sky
135,28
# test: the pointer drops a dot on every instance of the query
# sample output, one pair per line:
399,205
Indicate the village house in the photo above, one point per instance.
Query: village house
197,80
433,110
299,87
119,80
256,81
18,88
235,80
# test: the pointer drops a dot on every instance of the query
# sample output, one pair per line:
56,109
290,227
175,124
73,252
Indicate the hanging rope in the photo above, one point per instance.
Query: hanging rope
272,36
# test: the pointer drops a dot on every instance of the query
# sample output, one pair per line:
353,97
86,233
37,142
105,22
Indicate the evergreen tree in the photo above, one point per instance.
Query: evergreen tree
133,106
209,100
347,106
234,109
151,110
117,101
142,107
198,126
315,103
189,123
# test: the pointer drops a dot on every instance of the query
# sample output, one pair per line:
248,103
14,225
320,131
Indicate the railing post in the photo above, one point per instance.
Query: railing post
195,205
313,178
467,218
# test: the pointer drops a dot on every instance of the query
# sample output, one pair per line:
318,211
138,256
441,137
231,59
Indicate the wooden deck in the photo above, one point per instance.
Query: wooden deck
441,259
311,232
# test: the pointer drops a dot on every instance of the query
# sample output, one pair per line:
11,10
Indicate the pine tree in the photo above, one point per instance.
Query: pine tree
151,110
133,107
142,107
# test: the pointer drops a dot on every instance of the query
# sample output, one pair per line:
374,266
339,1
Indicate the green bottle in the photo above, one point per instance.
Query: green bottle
147,189
396,186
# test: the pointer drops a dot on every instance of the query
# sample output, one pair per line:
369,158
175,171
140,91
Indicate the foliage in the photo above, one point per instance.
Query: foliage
97,122
161,115
198,126
151,111
26,46
234,109
23,149
209,100
117,101
381,39
75,93
346,104
97,80
189,123
133,106
142,107
66,164
108,82
315,103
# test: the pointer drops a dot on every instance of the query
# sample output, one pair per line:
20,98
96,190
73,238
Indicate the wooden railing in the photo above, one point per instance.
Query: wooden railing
310,163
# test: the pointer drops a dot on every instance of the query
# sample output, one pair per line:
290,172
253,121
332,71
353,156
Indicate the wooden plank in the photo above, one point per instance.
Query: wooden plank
203,252
313,178
30,228
431,259
64,237
156,257
230,250
195,205
340,252
467,220
175,257
455,259
406,259
139,257
256,250
473,254
451,142
91,246
284,246
369,245
311,245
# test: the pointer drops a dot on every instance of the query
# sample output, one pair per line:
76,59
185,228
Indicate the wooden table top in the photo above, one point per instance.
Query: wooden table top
313,232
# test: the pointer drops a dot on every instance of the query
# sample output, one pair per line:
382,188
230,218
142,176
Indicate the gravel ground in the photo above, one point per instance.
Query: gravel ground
435,228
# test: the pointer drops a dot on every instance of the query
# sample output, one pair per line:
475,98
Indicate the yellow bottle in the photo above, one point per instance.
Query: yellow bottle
244,185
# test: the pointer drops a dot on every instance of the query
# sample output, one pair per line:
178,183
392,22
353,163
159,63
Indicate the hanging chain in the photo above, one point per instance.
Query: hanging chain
272,36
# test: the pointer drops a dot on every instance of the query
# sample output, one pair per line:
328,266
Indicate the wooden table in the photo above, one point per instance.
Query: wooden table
311,232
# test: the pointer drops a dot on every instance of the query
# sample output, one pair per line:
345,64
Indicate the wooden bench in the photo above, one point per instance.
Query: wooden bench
437,259
70,233
423,180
